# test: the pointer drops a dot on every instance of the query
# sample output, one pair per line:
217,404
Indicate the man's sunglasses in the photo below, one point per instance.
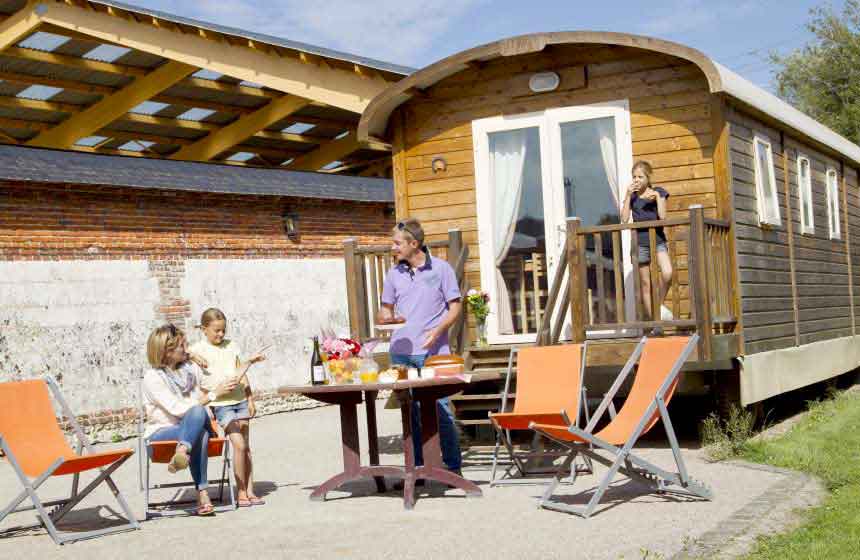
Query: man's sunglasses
403,226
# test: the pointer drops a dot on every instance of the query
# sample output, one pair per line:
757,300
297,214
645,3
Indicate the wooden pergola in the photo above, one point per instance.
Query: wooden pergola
105,77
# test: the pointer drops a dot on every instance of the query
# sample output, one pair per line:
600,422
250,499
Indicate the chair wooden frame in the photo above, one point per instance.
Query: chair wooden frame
84,454
218,446
622,459
504,422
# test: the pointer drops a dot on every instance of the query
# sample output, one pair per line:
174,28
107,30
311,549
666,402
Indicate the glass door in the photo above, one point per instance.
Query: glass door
532,172
591,160
511,180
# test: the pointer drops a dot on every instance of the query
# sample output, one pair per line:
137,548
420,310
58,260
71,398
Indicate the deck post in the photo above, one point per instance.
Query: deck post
575,248
455,248
699,288
354,302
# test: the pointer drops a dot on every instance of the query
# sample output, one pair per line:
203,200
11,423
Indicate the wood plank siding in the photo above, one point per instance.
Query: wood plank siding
794,286
671,123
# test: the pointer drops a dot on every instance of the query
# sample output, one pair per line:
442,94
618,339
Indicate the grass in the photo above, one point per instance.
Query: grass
826,443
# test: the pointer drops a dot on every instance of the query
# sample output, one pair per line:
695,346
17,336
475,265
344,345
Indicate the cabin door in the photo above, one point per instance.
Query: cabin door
531,173
591,159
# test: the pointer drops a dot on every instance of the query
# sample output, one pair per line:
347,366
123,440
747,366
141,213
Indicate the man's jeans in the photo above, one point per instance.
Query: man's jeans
193,433
449,440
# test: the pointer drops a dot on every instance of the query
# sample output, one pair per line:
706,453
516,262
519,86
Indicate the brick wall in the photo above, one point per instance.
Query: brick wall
86,272
83,222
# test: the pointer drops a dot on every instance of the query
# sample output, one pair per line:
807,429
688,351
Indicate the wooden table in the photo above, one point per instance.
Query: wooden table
348,397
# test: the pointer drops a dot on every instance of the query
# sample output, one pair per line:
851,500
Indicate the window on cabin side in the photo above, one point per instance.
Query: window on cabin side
833,204
765,183
804,194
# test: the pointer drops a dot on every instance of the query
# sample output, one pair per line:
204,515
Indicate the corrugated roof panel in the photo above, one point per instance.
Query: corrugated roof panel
160,130
24,113
215,96
106,53
39,92
76,97
19,163
42,41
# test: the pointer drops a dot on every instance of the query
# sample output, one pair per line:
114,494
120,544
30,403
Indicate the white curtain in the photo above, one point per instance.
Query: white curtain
507,159
606,134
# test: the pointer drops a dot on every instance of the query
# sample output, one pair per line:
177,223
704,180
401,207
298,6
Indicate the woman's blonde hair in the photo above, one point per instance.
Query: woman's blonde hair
210,315
161,341
644,166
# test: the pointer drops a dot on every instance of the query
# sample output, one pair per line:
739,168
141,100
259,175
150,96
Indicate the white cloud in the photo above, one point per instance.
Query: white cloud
685,16
397,31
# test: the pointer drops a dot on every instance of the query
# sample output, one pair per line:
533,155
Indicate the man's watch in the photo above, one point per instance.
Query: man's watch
211,396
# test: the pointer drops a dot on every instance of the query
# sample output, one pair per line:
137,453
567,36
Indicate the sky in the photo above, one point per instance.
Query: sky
736,33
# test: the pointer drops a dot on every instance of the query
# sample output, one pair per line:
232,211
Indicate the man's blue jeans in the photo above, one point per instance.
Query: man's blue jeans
449,440
193,433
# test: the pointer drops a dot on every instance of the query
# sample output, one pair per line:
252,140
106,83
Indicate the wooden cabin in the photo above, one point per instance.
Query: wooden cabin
525,147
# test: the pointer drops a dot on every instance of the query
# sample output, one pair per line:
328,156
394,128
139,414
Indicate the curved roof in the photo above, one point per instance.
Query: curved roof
374,120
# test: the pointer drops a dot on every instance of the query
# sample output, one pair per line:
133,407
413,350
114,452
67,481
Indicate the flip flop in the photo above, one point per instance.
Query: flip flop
257,501
243,503
205,510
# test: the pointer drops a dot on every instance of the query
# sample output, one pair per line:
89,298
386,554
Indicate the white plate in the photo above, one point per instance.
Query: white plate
390,327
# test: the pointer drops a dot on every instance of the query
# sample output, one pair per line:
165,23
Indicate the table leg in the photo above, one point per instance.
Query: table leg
372,437
408,450
433,468
350,446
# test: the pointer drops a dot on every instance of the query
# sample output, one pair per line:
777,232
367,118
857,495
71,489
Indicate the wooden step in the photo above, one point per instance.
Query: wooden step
482,422
493,396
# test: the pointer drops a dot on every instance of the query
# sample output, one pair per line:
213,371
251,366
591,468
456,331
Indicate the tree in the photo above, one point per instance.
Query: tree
822,79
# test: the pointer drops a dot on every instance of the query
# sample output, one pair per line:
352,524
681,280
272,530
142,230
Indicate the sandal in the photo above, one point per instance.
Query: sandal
243,503
255,501
178,462
205,510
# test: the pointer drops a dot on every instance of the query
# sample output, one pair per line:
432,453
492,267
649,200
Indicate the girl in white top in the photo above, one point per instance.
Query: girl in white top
221,363
174,406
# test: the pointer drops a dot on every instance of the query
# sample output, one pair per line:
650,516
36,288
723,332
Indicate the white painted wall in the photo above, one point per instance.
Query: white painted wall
84,322
280,302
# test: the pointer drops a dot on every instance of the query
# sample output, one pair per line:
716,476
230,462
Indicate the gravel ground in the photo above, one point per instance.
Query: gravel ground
295,451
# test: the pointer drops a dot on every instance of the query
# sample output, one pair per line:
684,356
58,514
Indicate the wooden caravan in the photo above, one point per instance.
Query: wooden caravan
525,146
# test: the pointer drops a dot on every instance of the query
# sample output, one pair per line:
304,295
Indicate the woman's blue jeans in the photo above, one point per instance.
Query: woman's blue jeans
193,433
449,440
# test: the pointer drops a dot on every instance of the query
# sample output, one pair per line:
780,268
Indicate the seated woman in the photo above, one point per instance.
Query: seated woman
175,407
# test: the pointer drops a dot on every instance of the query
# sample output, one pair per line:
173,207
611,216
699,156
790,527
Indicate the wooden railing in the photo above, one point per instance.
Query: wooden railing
590,281
366,269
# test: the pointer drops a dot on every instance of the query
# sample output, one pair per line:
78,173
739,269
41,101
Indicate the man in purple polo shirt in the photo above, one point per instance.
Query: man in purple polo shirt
424,290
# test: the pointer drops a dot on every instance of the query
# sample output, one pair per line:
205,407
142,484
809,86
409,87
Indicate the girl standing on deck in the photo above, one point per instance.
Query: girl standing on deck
648,203
220,357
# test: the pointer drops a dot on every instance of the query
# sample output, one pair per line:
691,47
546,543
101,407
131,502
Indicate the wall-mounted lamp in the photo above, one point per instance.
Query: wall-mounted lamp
291,224
543,82
438,164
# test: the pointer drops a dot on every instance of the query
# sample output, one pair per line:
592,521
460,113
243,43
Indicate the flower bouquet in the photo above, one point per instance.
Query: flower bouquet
339,357
478,303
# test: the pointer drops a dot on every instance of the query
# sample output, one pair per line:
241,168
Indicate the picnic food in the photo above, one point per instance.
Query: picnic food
369,376
338,372
389,375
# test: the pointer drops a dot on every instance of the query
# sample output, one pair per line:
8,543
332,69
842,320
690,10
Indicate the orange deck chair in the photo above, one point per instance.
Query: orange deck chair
162,452
655,382
549,391
37,449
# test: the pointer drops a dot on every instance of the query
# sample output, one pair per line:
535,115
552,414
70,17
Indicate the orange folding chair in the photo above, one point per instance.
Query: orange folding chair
549,391
37,449
660,362
161,452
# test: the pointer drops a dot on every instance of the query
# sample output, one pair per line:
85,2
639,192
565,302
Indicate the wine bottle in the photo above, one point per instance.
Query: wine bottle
317,371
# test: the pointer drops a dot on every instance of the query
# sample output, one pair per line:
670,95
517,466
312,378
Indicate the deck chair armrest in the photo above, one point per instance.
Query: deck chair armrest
613,390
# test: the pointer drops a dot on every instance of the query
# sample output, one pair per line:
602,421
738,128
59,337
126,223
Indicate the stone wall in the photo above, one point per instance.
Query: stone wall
87,272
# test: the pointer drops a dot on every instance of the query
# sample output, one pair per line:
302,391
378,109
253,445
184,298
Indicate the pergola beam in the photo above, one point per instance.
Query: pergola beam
241,129
112,107
21,24
327,153
333,86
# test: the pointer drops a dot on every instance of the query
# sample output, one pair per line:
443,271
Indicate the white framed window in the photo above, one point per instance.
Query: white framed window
765,182
804,194
833,204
